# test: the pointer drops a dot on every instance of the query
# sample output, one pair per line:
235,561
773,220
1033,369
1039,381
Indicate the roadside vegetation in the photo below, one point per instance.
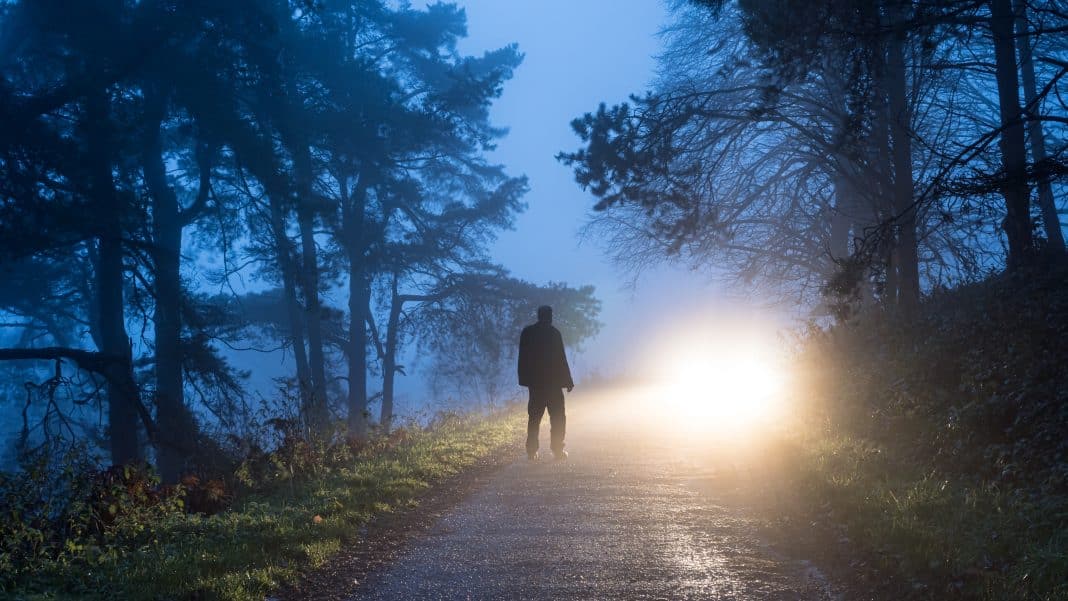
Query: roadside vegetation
71,531
932,459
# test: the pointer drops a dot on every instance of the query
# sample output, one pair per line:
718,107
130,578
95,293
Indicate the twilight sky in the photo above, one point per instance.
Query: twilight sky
578,53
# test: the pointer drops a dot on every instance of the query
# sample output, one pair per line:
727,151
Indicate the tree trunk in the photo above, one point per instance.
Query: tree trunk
907,263
883,201
389,361
310,282
294,313
122,411
838,245
177,427
1014,186
1050,220
359,298
840,220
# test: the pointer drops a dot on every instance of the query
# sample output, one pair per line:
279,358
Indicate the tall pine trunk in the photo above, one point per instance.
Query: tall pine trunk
122,412
1014,186
1050,220
313,320
389,361
359,296
109,270
176,425
294,312
359,300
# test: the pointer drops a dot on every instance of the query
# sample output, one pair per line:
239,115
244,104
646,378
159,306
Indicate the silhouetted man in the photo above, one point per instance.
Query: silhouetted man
543,369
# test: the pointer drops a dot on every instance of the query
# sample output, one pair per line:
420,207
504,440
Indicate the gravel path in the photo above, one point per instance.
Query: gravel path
628,516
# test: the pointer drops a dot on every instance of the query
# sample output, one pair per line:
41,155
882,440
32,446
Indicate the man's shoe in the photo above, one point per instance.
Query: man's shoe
532,456
560,455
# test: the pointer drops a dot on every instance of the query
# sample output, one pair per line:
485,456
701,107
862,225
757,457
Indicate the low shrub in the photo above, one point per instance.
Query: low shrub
938,444
70,529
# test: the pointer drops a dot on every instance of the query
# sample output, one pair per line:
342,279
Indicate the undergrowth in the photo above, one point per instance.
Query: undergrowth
69,531
936,447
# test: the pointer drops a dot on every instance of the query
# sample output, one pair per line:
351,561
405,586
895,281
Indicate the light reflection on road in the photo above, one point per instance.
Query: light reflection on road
633,514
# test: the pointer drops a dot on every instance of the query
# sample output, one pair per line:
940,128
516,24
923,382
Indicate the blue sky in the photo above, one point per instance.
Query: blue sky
578,53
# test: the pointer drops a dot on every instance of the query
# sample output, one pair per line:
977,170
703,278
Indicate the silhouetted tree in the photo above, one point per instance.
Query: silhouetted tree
789,142
308,145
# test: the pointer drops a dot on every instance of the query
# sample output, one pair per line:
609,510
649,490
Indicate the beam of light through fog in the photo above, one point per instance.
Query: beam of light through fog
723,373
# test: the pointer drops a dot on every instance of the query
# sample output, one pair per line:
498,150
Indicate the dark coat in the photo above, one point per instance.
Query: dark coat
542,363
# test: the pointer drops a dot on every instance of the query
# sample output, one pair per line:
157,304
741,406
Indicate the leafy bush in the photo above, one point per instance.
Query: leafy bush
60,511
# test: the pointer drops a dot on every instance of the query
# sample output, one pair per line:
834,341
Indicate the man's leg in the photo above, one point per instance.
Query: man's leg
535,409
557,420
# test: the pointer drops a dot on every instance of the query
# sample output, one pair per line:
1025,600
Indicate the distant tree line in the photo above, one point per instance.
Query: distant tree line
156,152
863,151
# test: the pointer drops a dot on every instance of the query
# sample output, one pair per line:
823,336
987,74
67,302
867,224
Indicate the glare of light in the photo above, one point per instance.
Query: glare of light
732,386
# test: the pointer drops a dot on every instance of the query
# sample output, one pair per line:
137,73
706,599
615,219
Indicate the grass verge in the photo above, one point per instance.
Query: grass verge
888,528
267,540
930,455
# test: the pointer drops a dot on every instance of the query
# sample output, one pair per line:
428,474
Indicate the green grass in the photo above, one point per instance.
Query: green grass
266,541
939,535
940,532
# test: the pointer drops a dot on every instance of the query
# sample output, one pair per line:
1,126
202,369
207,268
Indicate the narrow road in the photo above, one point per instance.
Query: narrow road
633,514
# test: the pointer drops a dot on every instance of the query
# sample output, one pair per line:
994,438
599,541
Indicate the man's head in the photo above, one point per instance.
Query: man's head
545,314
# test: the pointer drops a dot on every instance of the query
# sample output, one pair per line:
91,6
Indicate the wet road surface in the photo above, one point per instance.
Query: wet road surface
632,514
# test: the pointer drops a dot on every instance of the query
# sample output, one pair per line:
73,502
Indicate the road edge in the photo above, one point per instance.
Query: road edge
387,535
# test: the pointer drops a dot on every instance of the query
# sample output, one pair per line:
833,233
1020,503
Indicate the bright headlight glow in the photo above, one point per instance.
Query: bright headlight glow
732,388
730,385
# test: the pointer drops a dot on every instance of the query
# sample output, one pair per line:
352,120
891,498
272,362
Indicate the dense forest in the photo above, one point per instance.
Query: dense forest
183,178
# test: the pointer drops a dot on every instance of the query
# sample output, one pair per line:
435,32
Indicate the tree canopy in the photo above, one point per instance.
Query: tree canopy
179,178
857,151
